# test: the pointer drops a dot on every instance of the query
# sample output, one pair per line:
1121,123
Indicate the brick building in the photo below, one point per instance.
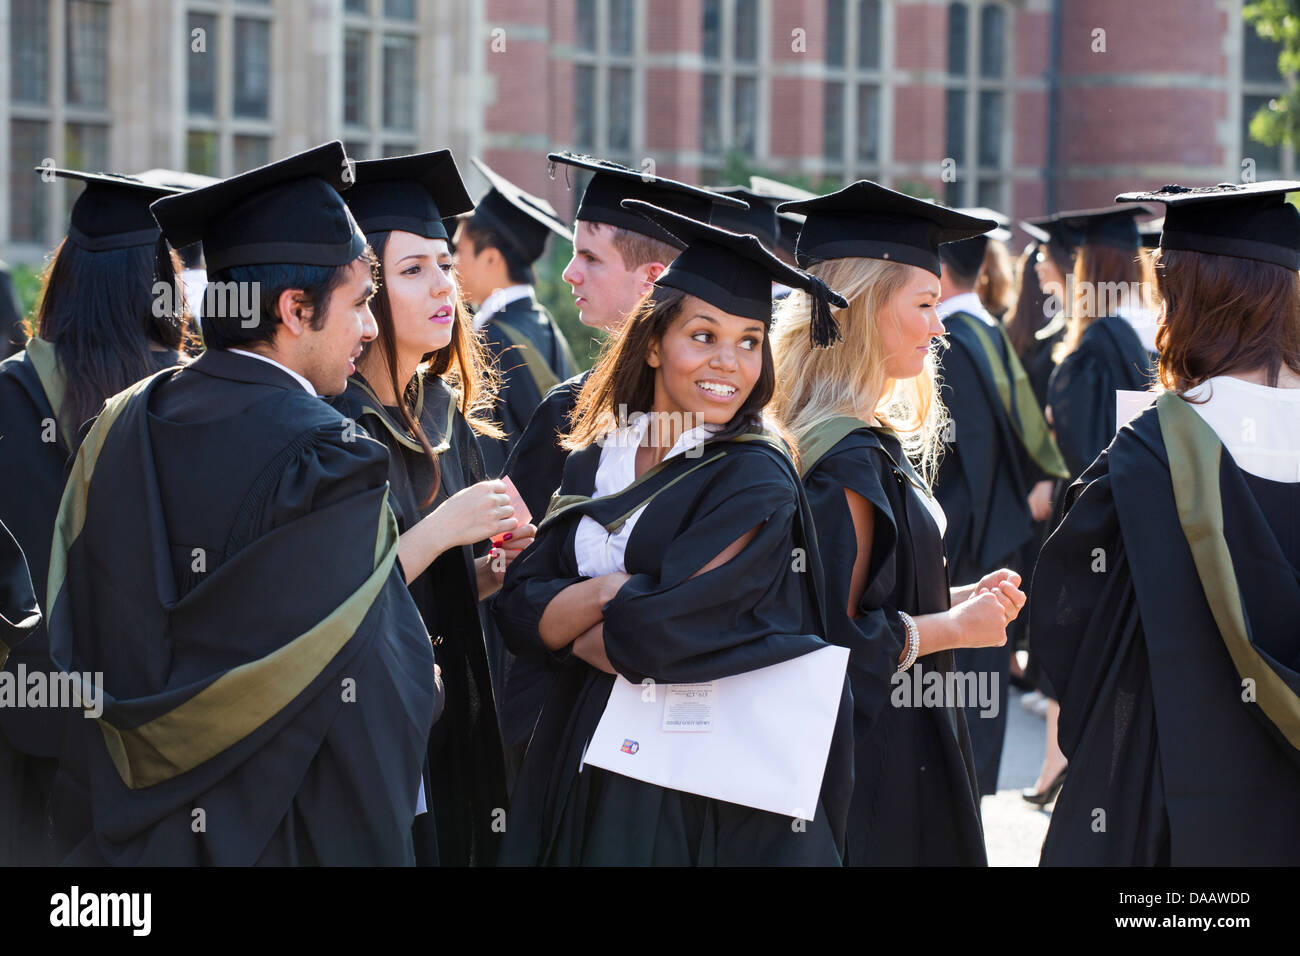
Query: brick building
1021,105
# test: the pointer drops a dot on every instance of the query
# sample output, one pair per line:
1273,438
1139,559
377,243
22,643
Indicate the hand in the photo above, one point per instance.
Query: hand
1040,501
590,647
475,514
491,568
1010,597
514,542
980,621
994,578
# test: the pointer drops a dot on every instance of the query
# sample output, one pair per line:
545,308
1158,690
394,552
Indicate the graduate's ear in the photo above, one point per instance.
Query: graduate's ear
652,354
295,312
649,272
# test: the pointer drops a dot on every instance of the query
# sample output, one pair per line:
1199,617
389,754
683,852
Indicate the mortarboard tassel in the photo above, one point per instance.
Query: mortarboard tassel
823,328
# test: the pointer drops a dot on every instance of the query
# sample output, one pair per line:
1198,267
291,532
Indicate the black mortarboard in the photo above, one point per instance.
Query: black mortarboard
775,192
735,272
759,219
867,220
968,254
1050,230
1246,220
410,193
524,220
285,212
1107,226
1149,232
612,183
112,212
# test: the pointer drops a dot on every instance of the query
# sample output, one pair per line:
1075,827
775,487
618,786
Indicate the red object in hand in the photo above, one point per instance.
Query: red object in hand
522,515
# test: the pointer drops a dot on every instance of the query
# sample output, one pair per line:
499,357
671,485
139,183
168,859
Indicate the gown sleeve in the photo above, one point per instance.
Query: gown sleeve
747,613
875,638
1081,394
542,570
1089,639
536,464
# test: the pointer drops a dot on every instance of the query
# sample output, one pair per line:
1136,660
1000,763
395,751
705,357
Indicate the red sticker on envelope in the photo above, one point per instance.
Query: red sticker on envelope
522,515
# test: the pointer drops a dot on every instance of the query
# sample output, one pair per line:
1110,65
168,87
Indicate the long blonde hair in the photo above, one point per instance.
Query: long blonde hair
849,379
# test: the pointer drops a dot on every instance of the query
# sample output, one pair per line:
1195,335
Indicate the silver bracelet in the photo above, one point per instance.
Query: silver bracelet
913,641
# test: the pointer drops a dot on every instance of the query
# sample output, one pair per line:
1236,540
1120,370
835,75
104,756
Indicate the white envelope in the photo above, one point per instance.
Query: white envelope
768,743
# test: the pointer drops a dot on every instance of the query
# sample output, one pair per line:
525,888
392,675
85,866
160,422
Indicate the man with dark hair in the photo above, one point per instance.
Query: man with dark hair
224,573
997,450
496,247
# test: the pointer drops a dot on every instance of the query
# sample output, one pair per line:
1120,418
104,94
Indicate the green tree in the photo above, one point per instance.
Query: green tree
1279,21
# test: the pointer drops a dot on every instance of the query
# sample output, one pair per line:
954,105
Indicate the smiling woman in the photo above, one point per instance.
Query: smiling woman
666,556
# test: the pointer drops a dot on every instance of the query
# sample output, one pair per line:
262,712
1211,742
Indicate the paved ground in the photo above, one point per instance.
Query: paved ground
1014,829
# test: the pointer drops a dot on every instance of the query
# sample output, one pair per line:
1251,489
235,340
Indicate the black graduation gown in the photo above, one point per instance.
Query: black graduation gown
1169,762
1039,364
532,357
36,448
983,484
536,467
1081,392
915,798
12,334
465,776
751,612
231,571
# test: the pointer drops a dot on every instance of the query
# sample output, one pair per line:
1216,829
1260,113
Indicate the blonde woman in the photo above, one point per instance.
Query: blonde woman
860,411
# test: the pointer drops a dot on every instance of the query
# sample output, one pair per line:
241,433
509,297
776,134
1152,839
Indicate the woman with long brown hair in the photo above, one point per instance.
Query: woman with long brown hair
101,325
423,388
678,550
863,412
1109,339
1165,603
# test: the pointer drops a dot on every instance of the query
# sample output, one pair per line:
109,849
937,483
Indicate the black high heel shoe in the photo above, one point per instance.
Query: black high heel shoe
1043,798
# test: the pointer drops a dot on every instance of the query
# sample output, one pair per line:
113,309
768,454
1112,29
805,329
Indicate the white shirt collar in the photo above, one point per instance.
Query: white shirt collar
284,368
966,302
498,300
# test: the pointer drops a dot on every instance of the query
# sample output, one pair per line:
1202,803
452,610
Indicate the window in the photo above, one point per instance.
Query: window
29,51
28,147
746,31
86,73
976,99
356,6
85,146
744,114
622,15
856,85
620,110
957,15
711,30
1262,81
252,75
355,46
833,138
586,25
251,152
730,88
201,68
584,108
382,98
606,77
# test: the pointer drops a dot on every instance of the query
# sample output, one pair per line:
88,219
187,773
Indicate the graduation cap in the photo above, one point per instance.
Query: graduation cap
967,255
177,178
412,193
1246,220
288,211
112,212
869,221
759,219
1107,226
524,220
735,272
1052,231
612,183
1149,232
775,192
